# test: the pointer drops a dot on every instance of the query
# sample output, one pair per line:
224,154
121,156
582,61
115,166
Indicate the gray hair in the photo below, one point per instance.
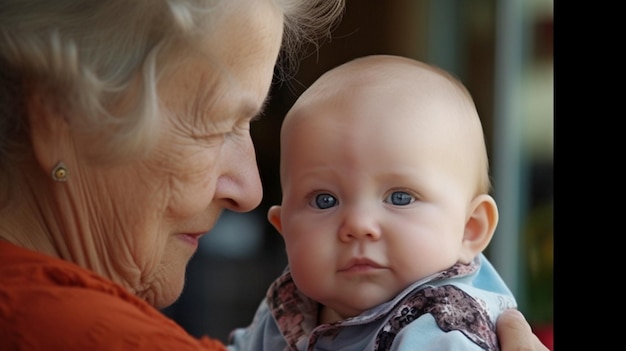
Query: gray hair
87,55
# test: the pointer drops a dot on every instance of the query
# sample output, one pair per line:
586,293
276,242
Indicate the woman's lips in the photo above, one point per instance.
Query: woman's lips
191,238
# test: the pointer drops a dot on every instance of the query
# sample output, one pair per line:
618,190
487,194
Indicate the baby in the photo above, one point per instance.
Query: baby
385,214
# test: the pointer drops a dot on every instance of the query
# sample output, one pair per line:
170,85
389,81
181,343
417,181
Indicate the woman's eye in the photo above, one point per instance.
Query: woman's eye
323,201
400,198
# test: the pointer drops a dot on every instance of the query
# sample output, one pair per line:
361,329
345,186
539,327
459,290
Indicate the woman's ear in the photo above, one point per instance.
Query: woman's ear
49,132
479,227
273,215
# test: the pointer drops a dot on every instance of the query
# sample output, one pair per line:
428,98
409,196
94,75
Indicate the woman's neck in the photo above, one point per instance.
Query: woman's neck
21,226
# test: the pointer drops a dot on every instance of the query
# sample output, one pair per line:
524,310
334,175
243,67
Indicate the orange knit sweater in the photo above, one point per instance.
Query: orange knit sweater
50,304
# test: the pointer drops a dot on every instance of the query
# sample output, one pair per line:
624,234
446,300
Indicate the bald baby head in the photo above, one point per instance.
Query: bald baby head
421,103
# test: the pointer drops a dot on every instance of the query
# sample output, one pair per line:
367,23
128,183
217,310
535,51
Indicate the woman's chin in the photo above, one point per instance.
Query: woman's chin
168,295
166,288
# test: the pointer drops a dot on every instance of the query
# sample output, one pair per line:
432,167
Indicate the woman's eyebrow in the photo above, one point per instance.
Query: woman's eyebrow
251,109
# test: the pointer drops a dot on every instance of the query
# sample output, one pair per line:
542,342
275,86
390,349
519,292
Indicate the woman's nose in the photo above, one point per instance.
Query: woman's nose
359,224
240,184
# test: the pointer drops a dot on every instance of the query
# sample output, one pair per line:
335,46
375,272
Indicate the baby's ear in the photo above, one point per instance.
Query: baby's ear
479,227
273,215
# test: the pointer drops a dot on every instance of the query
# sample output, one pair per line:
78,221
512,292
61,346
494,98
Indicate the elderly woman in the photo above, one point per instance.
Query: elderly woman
124,133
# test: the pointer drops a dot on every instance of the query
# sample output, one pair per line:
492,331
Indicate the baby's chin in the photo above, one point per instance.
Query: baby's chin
350,307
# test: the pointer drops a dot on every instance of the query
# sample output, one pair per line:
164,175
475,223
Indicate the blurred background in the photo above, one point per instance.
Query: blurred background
502,50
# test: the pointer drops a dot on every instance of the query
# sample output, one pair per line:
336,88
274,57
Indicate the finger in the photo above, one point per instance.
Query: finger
515,334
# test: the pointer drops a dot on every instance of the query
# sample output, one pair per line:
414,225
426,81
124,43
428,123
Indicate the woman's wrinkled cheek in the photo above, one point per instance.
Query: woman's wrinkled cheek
191,190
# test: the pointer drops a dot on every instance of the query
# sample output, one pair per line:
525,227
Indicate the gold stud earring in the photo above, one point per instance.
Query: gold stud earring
59,173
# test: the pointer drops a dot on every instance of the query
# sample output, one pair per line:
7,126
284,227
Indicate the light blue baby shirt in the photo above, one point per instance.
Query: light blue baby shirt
451,310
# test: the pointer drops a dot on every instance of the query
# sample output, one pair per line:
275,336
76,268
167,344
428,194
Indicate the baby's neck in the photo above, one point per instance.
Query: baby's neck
328,315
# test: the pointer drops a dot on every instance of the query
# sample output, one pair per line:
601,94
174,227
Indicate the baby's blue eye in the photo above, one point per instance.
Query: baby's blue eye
400,198
324,201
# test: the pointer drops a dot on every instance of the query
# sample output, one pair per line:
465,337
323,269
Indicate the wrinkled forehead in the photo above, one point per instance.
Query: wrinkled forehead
233,61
